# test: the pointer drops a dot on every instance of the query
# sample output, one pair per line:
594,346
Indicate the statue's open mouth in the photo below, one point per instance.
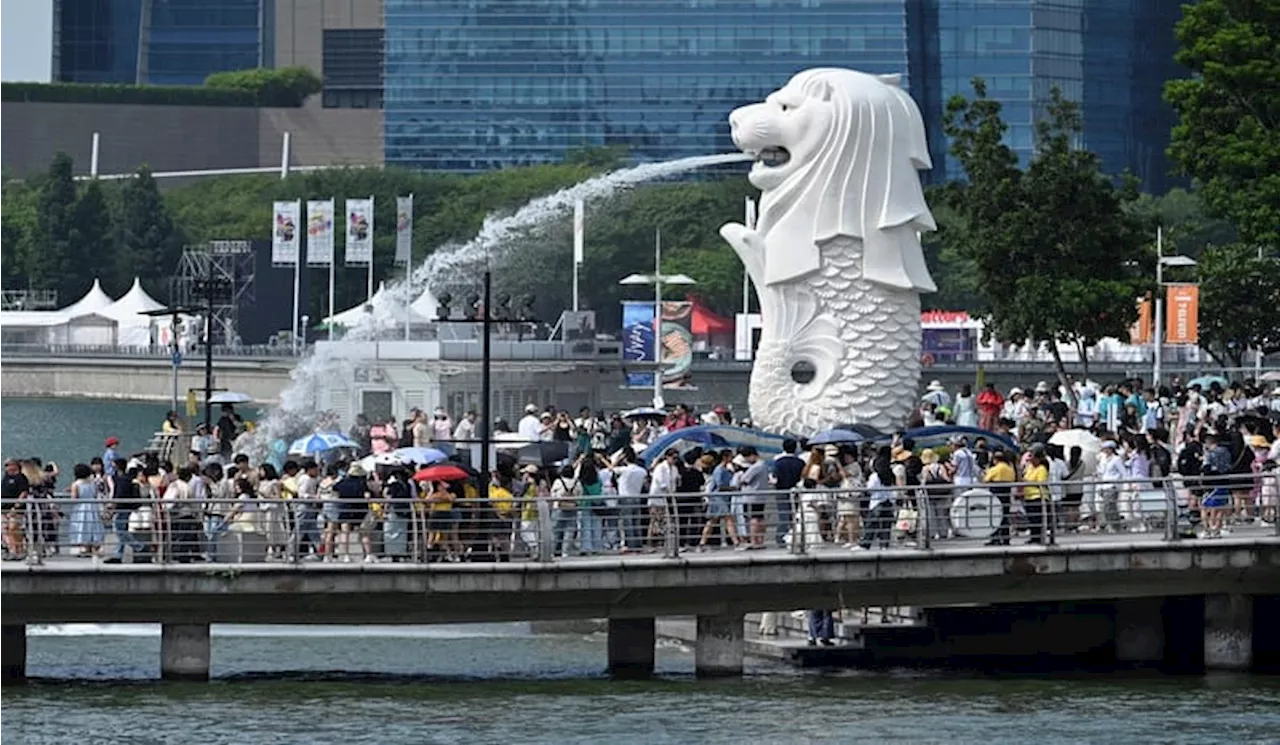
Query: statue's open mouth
773,156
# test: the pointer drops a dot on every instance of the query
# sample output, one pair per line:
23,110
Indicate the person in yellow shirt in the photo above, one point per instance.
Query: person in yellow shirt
998,477
1035,496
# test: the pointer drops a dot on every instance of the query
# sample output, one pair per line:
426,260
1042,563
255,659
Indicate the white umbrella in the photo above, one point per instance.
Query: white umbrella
1271,376
644,412
1089,446
230,397
509,441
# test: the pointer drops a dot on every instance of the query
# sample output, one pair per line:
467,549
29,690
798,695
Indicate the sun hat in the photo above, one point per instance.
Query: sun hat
935,385
900,454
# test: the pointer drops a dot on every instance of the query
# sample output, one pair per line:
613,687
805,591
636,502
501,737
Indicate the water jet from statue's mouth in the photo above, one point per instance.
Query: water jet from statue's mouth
773,157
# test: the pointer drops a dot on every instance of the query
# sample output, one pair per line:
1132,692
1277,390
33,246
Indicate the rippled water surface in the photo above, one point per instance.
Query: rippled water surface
500,683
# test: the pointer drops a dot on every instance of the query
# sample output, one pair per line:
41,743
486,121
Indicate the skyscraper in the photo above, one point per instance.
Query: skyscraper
477,84
164,42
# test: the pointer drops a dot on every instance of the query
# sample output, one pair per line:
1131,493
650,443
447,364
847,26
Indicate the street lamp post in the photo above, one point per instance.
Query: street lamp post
1157,335
657,279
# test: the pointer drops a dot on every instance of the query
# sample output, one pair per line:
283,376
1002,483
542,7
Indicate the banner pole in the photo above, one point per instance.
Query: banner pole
370,249
297,270
332,261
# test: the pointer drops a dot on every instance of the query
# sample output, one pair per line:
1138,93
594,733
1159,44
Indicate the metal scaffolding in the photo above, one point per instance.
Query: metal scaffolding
224,269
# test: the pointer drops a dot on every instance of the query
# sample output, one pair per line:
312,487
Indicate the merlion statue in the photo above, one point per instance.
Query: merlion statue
835,253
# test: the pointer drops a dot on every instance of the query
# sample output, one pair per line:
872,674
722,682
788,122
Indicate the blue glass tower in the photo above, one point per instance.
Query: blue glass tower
163,42
478,84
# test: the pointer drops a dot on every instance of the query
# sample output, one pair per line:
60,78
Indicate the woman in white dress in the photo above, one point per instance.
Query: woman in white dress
965,410
271,507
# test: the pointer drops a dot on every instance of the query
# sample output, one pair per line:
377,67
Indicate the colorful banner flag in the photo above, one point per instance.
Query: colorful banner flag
359,232
284,234
404,230
637,340
579,232
320,232
676,343
1142,329
1182,324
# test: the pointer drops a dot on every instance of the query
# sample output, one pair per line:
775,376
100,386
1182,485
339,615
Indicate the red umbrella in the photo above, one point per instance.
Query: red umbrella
441,473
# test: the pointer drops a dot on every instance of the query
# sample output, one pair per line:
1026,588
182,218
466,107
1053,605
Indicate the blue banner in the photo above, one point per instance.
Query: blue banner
637,340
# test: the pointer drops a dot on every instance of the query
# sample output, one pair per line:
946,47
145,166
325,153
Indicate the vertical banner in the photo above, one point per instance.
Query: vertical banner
1182,321
320,232
359,232
675,342
404,230
1142,329
284,234
579,233
638,341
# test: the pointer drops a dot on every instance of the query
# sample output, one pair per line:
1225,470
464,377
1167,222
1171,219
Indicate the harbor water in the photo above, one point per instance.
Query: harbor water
502,683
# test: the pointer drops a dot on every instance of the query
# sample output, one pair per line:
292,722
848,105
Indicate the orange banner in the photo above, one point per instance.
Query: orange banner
1182,317
1140,332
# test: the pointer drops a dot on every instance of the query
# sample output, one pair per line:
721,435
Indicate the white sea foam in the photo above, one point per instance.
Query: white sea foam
298,402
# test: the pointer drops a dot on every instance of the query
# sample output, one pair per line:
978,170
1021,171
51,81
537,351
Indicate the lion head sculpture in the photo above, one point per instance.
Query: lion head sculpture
836,154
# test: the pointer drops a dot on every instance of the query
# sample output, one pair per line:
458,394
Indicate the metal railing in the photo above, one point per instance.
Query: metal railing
557,529
158,351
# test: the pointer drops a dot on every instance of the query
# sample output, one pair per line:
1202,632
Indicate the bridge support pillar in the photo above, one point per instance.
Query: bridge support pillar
1228,632
631,647
1140,631
13,650
184,651
718,649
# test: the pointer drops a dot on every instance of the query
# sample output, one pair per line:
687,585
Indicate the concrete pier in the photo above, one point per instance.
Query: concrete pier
719,648
13,653
185,651
631,647
1228,632
1140,637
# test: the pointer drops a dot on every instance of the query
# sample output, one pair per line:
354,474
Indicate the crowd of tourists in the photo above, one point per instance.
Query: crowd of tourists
1055,459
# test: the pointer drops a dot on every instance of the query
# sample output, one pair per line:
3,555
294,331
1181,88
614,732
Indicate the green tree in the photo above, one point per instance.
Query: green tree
1056,255
92,242
18,229
148,245
1228,132
46,259
1239,302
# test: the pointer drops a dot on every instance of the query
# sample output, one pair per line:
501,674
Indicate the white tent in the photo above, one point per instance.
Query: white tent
426,305
94,301
134,328
381,304
56,327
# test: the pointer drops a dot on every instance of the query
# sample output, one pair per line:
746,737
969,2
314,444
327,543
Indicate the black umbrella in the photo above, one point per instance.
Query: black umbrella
543,454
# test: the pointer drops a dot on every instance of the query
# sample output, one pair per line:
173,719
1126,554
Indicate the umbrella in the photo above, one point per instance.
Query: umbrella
1206,382
837,437
509,441
1089,446
866,430
421,456
230,397
446,472
644,412
1271,377
543,453
320,442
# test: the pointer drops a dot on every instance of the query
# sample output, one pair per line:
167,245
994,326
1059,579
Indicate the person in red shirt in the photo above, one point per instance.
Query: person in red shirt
680,418
990,402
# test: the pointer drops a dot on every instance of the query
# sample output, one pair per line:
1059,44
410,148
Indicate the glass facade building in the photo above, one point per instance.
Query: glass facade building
478,84
162,42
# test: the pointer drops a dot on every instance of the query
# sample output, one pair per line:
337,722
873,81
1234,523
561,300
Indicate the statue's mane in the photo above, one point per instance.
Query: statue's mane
863,183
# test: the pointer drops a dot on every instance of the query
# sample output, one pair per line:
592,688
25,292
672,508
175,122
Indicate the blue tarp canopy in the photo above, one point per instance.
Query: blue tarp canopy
715,436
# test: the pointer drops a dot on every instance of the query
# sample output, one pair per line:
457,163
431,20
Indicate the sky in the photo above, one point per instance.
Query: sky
26,40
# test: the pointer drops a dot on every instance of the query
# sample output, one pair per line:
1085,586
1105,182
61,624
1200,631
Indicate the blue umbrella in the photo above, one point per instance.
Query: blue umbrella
837,437
320,442
1206,382
420,456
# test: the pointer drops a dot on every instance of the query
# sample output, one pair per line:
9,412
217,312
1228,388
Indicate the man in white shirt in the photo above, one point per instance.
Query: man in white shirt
530,427
464,433
663,480
630,478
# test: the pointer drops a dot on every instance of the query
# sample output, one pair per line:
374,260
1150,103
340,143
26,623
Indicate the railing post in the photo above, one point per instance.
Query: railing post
799,536
1171,511
671,538
31,526
924,519
546,532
